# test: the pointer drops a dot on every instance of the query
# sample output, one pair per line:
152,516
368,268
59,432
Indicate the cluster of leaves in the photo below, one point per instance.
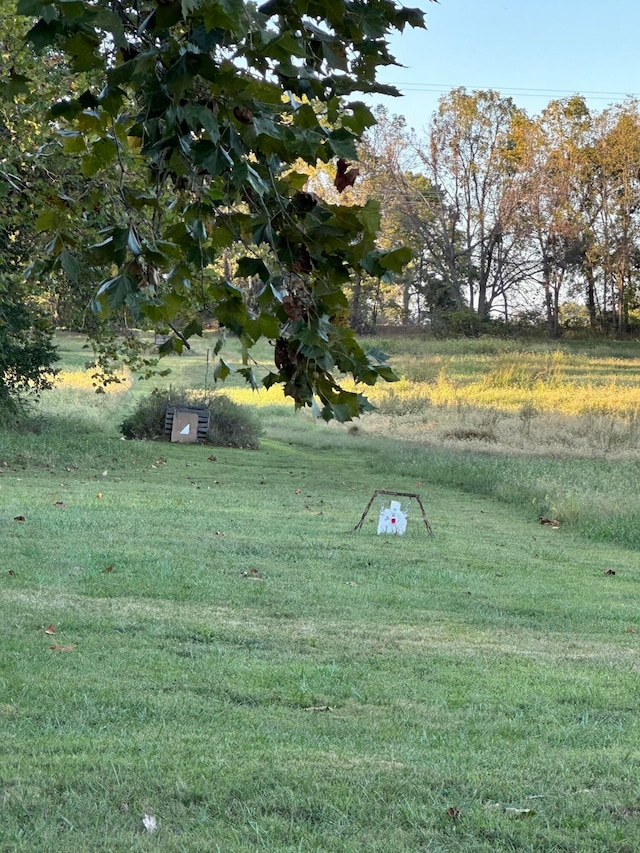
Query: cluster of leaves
230,425
201,110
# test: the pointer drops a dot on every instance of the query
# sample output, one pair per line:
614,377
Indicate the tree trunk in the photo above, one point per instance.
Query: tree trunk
591,295
355,319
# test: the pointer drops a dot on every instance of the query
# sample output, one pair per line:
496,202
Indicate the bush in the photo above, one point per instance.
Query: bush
147,419
230,425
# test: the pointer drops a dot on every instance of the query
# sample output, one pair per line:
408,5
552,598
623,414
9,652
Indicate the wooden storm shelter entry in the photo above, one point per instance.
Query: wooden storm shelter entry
186,425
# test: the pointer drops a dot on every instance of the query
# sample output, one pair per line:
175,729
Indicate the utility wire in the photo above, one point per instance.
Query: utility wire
436,88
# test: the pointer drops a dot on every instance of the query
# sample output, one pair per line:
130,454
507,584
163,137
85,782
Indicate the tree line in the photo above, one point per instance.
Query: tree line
533,220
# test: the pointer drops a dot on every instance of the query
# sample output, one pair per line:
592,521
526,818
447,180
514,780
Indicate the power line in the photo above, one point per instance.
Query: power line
438,88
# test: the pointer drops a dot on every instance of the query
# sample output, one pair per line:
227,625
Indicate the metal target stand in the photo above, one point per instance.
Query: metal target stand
410,495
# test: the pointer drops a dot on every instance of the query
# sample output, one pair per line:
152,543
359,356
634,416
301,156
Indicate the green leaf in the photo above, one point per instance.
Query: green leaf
116,290
111,99
396,260
81,51
357,117
248,267
46,220
105,151
413,17
72,142
194,327
221,371
17,84
30,8
387,374
249,376
224,14
141,198
70,265
65,109
370,216
43,34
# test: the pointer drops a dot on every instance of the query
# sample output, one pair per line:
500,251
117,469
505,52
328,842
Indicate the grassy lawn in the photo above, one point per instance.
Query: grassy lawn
230,659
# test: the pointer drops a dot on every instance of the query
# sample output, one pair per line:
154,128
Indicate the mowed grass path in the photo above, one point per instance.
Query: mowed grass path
240,666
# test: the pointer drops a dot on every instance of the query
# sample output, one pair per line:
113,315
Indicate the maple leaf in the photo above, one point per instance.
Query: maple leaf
345,175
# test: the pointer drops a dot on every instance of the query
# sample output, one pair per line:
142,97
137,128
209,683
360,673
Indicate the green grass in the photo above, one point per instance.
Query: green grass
210,604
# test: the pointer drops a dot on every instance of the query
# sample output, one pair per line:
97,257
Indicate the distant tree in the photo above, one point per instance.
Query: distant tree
551,161
467,160
412,213
616,161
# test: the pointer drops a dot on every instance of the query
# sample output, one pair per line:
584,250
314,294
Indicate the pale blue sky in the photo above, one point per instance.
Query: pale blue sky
531,50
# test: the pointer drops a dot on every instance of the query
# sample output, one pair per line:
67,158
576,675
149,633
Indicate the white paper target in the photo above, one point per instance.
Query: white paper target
392,519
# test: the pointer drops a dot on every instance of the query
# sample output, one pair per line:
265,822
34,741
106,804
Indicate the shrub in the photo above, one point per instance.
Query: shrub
230,425
147,419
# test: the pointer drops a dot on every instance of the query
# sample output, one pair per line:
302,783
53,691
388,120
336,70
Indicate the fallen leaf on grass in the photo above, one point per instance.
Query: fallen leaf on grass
19,518
454,813
252,574
319,708
149,822
109,568
50,630
62,648
629,630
